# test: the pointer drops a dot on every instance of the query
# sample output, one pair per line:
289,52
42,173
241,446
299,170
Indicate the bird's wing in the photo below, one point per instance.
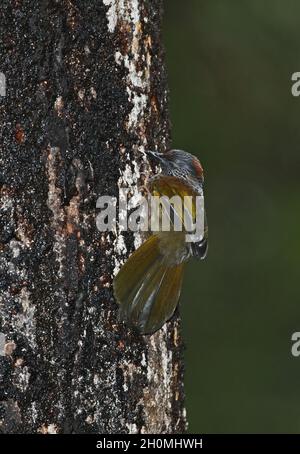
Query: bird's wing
166,185
170,186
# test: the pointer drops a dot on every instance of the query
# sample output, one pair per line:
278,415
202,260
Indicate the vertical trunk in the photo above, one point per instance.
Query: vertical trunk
86,94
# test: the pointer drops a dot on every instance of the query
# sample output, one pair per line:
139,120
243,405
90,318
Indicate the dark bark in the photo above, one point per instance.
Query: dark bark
86,93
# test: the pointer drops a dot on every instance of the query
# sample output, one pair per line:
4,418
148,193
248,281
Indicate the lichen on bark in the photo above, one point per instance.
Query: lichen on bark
86,95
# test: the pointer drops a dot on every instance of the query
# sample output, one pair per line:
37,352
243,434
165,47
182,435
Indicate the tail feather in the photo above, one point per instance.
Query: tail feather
132,273
166,298
147,289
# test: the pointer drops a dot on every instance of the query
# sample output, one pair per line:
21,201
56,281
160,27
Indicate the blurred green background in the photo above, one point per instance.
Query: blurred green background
230,64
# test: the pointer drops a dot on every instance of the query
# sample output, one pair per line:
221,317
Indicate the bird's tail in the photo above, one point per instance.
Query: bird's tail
147,289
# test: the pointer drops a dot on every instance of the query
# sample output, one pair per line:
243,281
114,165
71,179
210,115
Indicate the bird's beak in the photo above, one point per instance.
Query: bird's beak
154,157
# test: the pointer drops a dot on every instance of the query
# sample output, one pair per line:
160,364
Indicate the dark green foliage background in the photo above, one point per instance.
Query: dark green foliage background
230,64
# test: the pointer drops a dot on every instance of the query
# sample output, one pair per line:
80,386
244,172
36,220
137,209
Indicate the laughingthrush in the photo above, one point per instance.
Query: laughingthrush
148,285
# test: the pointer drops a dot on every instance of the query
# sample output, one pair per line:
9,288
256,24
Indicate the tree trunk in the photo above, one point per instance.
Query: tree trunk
86,94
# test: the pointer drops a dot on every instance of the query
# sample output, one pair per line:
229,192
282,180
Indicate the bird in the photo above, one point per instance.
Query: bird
148,286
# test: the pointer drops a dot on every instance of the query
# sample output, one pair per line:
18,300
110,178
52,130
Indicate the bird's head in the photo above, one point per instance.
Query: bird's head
178,163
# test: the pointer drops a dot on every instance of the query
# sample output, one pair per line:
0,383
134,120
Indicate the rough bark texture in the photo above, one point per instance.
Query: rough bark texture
86,94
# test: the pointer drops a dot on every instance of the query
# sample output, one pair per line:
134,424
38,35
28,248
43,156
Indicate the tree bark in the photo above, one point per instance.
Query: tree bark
86,94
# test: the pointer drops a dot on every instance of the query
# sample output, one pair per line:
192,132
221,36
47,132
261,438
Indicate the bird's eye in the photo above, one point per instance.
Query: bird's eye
198,168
